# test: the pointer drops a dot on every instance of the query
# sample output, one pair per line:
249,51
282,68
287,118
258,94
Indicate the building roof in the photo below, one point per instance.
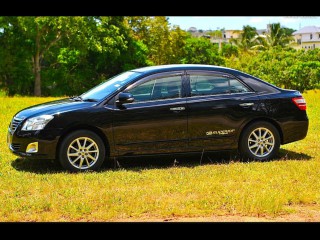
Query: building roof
307,29
192,29
261,31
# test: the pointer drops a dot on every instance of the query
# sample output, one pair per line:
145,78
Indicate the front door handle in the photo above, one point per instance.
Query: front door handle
177,109
245,104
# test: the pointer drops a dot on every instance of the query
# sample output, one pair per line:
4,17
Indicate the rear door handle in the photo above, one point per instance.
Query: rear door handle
177,109
245,104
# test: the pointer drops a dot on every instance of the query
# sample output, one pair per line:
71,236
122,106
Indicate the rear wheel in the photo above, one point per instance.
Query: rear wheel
260,141
81,151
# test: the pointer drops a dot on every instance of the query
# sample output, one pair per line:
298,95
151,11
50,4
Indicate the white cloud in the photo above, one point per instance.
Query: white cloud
289,19
261,22
257,19
266,20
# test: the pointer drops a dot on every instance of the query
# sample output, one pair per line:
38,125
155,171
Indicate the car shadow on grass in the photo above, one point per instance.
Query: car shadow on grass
41,166
195,160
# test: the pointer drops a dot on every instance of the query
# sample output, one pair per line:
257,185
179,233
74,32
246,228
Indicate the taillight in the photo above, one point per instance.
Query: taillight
300,102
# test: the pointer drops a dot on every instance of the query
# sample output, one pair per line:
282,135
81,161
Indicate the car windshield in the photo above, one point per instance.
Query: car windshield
109,86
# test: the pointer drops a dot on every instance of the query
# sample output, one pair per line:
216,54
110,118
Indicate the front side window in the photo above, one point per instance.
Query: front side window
157,89
206,84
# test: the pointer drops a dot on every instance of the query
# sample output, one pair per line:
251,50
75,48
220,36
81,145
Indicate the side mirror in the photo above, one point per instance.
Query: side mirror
125,97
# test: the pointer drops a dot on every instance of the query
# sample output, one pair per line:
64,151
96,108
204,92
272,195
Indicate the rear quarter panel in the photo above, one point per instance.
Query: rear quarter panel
292,121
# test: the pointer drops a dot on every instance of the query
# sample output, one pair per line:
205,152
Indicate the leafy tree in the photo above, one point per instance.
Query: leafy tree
202,51
215,33
41,33
15,65
111,50
165,44
288,31
229,50
68,55
32,38
287,68
65,50
176,51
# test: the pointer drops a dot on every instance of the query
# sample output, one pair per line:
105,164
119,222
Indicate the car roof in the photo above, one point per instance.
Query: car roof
254,82
172,67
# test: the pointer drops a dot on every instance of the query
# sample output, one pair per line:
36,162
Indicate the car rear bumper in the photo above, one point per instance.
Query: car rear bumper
294,131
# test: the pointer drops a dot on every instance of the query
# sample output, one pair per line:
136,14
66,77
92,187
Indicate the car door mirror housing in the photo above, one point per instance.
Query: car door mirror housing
125,97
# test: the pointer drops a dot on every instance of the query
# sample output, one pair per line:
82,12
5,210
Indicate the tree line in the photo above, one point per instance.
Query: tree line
67,55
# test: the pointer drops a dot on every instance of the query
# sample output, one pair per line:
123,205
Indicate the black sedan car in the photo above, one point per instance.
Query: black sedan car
183,108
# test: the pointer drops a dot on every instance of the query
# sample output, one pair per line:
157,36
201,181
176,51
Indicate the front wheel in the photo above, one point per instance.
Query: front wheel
82,150
260,141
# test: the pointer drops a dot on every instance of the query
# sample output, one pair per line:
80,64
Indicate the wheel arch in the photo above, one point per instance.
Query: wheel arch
86,127
273,122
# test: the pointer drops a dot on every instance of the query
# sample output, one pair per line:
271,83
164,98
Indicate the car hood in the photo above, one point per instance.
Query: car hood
54,107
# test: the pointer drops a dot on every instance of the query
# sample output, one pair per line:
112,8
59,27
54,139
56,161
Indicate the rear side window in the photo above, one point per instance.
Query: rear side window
213,84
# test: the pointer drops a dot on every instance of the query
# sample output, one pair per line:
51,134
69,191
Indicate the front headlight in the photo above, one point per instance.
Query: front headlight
36,123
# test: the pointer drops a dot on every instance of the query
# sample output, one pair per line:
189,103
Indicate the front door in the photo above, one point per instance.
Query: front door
156,122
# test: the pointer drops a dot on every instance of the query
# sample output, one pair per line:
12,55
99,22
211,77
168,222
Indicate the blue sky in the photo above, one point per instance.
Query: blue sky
236,23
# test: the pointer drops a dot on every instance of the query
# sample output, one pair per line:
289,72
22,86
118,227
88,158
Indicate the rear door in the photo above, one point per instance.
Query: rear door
218,104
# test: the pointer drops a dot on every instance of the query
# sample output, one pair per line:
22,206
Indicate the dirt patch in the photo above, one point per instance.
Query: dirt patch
310,213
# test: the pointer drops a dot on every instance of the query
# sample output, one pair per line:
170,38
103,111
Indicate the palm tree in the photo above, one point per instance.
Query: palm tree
247,39
276,36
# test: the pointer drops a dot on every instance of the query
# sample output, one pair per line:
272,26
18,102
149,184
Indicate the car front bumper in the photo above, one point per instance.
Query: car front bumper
46,140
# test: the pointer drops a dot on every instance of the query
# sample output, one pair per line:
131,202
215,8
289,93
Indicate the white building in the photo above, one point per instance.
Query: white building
307,37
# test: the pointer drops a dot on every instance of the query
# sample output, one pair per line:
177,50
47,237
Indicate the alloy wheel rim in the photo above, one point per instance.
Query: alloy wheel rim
261,142
83,153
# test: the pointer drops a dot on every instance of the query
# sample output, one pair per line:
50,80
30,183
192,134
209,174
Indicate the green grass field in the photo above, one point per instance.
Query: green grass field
39,190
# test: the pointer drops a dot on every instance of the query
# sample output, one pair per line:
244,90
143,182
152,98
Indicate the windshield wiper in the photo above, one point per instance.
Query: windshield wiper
79,98
89,100
76,98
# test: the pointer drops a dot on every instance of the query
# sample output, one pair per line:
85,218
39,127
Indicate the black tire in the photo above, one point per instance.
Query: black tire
259,141
82,150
